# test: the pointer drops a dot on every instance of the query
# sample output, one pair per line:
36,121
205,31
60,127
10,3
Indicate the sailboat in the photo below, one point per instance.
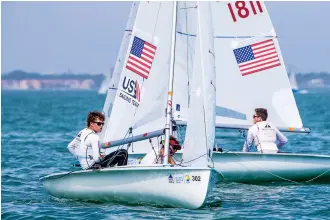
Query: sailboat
294,84
242,85
153,41
104,85
250,74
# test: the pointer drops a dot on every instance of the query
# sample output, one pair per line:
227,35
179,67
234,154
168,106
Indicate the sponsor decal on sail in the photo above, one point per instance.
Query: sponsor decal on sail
130,91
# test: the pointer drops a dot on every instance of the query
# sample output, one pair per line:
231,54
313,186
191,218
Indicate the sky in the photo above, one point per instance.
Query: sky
84,37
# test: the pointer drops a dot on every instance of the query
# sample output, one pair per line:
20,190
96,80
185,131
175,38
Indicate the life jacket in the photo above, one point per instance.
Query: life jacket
266,138
79,149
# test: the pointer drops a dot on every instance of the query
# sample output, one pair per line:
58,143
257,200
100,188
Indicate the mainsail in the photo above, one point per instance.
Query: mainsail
143,83
112,85
250,68
150,114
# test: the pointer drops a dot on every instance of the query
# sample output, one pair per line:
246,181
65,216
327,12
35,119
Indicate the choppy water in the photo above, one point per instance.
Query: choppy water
37,126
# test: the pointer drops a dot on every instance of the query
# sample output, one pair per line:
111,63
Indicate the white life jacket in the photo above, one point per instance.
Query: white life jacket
266,138
79,149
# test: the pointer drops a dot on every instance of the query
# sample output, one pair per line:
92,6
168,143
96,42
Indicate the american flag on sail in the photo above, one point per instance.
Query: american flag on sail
141,57
257,57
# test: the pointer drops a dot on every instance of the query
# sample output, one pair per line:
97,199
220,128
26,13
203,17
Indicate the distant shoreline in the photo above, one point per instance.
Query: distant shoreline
20,80
23,81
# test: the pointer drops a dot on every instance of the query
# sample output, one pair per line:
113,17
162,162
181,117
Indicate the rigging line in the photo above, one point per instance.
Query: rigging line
132,143
193,159
227,37
113,157
206,138
248,37
186,34
187,53
152,35
120,147
318,176
153,148
194,7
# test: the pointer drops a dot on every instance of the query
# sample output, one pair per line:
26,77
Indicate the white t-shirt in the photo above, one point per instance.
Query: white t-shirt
85,146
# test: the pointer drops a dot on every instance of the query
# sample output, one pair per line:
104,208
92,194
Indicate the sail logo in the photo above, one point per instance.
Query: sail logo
170,179
130,91
131,88
187,178
178,178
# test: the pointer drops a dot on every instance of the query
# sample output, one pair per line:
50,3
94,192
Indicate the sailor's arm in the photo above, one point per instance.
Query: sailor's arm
248,141
171,160
281,139
71,147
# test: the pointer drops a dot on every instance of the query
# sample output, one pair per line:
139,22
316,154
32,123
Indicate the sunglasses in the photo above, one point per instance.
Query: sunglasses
99,123
255,116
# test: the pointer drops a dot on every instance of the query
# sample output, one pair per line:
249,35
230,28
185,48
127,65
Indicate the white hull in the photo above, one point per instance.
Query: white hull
267,168
135,185
281,167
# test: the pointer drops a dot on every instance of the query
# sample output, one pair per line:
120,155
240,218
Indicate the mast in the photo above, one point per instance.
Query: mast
168,125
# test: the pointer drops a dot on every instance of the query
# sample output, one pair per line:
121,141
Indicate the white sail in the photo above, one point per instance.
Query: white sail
143,83
184,57
243,31
200,134
293,81
113,80
151,113
105,83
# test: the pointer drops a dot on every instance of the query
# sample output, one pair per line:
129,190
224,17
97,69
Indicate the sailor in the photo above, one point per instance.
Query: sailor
85,146
265,136
154,157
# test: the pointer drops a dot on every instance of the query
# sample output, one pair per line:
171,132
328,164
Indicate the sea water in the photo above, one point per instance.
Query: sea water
37,126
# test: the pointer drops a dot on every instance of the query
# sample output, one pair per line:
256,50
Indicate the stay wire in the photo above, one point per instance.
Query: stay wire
120,147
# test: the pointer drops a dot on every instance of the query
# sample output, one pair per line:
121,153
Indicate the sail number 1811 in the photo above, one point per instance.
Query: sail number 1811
241,10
